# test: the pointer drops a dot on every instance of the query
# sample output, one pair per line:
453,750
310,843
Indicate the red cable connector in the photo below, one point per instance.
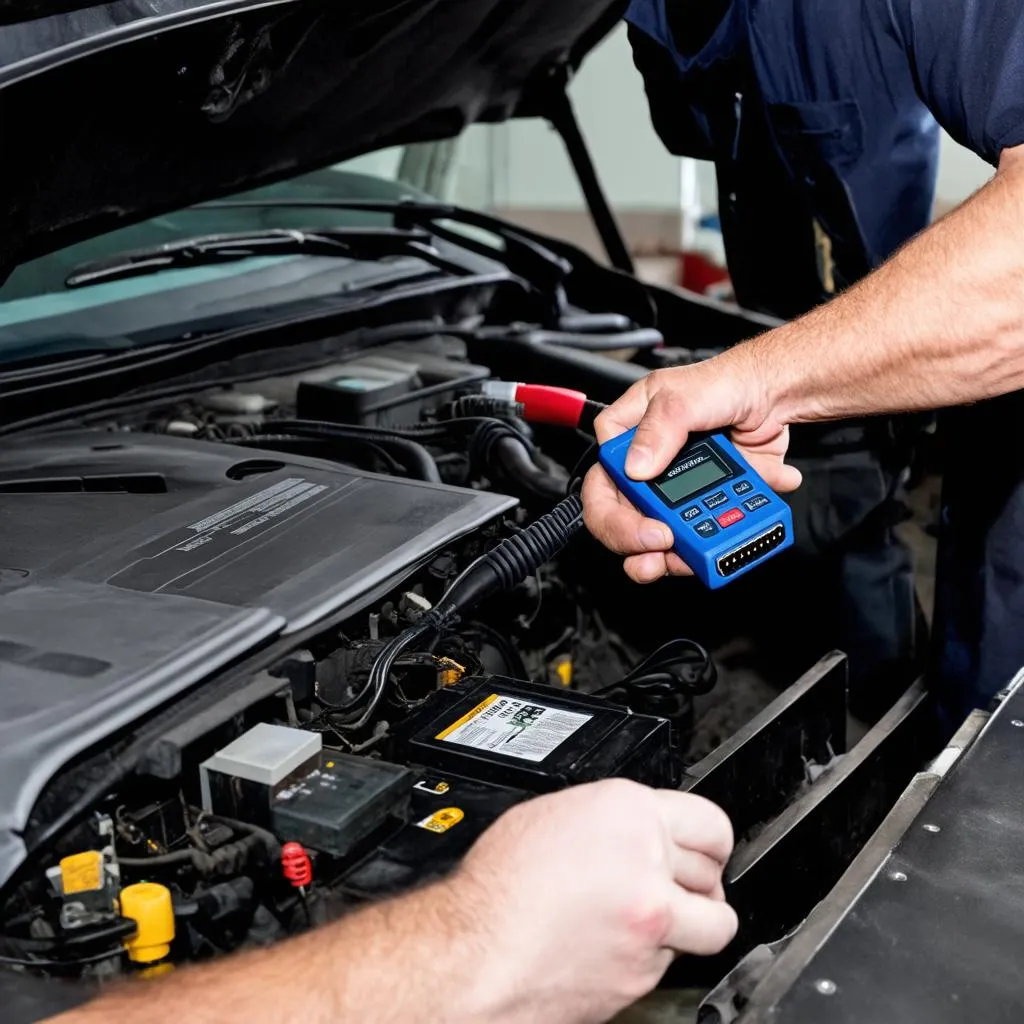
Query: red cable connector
542,403
296,865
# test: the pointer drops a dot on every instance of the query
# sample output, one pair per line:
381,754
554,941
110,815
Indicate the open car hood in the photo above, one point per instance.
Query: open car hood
119,111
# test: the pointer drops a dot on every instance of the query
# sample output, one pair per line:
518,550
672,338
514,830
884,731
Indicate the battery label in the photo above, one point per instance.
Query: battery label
514,727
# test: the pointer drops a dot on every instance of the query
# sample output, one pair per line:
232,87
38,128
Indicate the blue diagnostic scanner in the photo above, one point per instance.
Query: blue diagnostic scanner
724,517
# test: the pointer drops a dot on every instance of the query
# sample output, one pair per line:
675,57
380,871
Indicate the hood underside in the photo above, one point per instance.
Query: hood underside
116,112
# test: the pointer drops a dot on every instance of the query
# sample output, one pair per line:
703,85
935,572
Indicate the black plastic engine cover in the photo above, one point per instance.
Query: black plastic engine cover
134,566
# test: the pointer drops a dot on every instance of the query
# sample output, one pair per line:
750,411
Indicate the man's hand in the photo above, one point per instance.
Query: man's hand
928,329
588,895
729,390
566,910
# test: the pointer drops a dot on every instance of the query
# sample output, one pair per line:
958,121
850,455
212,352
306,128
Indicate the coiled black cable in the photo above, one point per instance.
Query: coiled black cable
509,563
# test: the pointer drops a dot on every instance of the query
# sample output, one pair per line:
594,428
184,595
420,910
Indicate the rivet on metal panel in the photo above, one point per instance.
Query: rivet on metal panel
897,876
932,828
1017,723
825,986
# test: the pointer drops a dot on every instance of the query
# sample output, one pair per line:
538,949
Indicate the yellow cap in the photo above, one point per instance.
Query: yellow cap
148,904
82,872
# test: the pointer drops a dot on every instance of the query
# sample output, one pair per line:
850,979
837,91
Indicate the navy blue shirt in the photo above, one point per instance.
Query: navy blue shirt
825,112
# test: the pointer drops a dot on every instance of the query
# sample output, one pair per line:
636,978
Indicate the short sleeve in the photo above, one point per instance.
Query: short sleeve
968,60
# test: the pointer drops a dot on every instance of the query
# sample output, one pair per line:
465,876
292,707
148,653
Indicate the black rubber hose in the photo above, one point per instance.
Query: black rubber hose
644,337
336,448
412,454
514,458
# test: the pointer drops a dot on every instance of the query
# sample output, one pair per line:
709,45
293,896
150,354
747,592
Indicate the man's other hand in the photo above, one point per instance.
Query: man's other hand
730,390
588,894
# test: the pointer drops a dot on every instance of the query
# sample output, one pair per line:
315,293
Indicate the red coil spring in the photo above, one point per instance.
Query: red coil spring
296,865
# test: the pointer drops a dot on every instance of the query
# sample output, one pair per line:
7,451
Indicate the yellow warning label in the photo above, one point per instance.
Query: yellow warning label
82,872
441,821
467,717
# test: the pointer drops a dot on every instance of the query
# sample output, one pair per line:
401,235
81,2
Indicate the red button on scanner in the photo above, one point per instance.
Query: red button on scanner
730,516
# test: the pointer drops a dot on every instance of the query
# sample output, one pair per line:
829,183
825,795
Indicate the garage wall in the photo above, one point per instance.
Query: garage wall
530,179
521,170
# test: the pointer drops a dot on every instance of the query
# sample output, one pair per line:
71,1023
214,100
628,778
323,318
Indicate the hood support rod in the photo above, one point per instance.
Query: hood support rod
563,119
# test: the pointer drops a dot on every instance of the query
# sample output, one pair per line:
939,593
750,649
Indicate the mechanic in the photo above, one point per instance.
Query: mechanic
558,914
941,324
819,118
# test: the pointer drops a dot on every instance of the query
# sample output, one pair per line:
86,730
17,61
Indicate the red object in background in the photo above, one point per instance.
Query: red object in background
547,404
699,274
542,403
296,865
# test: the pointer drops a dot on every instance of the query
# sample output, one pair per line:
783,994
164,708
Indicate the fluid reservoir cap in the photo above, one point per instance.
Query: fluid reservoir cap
82,872
149,905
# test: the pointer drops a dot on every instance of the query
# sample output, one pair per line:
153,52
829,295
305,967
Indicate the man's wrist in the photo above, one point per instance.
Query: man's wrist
780,375
755,379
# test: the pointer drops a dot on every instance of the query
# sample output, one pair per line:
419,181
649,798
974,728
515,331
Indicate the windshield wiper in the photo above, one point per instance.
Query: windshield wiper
525,255
350,243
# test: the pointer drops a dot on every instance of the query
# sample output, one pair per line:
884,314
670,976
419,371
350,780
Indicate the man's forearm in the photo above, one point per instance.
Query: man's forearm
942,323
390,963
556,915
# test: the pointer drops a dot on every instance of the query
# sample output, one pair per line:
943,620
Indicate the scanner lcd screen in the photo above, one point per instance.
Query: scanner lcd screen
698,470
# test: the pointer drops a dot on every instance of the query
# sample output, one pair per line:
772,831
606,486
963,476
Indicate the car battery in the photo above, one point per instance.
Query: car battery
537,738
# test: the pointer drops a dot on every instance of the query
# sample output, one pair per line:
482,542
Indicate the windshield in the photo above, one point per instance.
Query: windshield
40,316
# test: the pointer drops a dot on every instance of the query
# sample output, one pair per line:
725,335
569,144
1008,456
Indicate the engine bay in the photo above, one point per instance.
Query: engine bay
314,525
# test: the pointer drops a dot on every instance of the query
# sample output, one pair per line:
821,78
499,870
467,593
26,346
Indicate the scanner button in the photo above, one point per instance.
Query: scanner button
733,515
743,487
756,502
716,499
691,513
706,528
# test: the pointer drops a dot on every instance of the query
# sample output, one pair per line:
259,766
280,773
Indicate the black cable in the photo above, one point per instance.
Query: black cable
113,931
416,458
505,566
381,670
83,961
514,664
680,665
579,471
591,410
515,558
228,859
292,442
